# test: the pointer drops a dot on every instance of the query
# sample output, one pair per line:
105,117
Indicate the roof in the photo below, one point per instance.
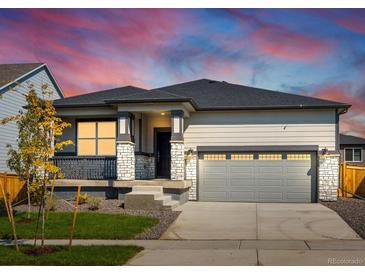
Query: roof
11,73
203,94
351,140
210,94
99,98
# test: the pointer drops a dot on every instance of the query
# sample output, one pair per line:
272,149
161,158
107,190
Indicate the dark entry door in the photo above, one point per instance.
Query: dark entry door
163,154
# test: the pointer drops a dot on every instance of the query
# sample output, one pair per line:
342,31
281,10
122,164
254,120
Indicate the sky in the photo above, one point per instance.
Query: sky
315,52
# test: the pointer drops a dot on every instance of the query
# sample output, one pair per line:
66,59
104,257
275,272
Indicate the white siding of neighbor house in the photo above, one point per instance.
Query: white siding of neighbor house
10,104
261,128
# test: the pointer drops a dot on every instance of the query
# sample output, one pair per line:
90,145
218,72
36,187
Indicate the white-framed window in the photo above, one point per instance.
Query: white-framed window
353,154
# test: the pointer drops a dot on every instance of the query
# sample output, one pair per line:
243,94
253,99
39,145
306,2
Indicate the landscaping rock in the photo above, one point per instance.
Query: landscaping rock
352,211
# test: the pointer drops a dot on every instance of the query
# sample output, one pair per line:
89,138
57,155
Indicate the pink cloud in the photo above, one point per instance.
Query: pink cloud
282,43
341,93
355,24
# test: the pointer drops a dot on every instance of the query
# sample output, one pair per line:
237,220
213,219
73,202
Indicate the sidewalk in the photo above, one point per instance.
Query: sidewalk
235,252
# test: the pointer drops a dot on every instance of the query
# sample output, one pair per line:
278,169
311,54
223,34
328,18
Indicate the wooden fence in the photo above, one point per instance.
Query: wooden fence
12,185
352,180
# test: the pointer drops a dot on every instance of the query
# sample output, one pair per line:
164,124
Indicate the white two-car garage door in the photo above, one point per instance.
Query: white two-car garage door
257,177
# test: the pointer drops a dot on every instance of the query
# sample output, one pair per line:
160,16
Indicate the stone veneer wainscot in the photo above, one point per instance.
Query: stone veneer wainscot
328,177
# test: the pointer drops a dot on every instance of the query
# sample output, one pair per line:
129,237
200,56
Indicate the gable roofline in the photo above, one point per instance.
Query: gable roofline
48,71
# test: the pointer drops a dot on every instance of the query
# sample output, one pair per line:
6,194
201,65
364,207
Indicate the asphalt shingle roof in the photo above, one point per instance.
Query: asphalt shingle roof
203,94
10,72
210,94
351,140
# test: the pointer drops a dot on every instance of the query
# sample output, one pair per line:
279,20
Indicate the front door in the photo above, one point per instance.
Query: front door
163,153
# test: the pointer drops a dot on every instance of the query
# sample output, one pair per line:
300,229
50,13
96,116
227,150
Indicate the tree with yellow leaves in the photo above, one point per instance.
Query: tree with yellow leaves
39,132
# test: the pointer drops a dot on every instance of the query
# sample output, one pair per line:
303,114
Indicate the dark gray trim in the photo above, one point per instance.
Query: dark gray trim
314,186
337,140
314,165
255,148
127,137
140,134
346,106
177,136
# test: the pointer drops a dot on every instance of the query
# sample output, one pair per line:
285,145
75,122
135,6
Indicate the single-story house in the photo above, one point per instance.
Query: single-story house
14,83
352,149
203,140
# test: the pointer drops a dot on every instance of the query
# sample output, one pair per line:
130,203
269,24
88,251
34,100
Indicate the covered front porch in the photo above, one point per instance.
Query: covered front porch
133,143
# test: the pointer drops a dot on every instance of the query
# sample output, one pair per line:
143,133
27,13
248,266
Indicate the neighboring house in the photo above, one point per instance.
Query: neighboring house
214,140
352,149
13,100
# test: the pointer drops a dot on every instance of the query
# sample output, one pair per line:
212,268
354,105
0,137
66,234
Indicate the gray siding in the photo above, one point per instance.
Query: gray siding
261,128
10,104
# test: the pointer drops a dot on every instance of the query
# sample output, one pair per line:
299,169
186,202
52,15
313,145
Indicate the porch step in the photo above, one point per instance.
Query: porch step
148,188
172,204
148,198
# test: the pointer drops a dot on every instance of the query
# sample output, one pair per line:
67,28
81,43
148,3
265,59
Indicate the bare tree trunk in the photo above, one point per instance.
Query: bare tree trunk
28,193
43,211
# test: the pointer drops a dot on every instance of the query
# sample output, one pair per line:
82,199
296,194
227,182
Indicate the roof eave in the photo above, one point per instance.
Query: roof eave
274,107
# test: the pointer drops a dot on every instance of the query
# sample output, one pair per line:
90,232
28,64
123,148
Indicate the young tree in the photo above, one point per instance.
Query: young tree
39,132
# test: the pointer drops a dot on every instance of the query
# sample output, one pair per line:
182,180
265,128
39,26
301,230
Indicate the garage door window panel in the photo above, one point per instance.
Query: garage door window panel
270,157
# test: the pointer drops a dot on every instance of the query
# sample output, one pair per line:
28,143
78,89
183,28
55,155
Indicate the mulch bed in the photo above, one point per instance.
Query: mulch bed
352,211
114,206
41,250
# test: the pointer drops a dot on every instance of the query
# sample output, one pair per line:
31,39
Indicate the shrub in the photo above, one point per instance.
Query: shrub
51,204
84,198
94,203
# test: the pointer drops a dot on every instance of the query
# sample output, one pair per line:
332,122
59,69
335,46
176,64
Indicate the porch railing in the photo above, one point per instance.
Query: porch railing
87,168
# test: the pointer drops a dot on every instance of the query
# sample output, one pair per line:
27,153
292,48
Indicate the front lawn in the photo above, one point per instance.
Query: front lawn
80,255
89,225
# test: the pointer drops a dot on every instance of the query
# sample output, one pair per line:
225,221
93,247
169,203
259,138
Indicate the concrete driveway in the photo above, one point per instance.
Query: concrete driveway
251,221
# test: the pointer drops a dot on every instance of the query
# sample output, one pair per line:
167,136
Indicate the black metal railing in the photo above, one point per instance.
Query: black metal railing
87,168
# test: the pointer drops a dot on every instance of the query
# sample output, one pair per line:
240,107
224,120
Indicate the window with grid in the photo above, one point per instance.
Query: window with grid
353,155
96,138
270,156
215,157
241,157
298,156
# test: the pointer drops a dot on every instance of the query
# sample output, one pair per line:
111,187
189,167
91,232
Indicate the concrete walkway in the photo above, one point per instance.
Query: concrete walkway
223,221
236,252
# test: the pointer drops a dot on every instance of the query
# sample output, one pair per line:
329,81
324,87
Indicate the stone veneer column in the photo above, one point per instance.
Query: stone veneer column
190,174
125,161
328,176
125,147
177,161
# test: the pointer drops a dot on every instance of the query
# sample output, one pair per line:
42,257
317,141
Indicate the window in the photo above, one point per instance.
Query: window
270,157
298,157
241,157
96,138
353,155
214,157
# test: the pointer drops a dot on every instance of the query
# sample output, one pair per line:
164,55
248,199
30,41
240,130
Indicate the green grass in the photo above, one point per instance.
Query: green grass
89,225
80,255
